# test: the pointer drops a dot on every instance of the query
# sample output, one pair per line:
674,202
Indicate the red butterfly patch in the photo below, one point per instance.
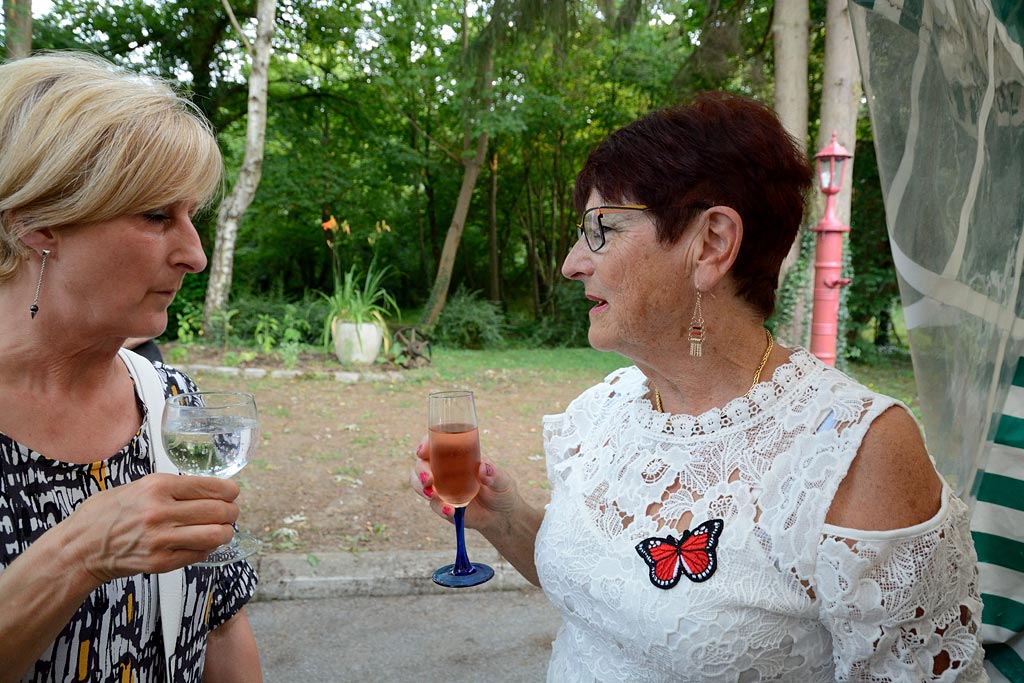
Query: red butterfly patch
693,555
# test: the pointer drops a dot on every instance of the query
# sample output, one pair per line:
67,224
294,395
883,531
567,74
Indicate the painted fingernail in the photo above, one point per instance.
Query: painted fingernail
429,492
423,477
419,448
489,468
446,510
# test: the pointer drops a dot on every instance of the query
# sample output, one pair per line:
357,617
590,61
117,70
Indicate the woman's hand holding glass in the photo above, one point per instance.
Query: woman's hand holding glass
213,433
159,523
490,508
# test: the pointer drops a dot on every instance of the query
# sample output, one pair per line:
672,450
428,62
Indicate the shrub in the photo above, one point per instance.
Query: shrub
564,326
469,321
303,317
187,306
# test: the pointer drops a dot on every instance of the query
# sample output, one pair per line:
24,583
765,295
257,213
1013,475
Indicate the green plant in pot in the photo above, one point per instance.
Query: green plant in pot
355,321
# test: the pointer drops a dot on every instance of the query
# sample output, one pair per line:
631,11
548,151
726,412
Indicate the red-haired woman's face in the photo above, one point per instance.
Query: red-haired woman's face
638,284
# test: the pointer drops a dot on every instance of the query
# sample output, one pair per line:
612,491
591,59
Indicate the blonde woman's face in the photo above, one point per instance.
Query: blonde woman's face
116,278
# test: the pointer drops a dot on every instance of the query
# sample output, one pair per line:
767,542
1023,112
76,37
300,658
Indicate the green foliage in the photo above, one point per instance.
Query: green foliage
370,103
874,290
235,358
222,325
299,320
468,321
265,335
568,325
888,370
190,323
293,331
168,38
185,314
796,288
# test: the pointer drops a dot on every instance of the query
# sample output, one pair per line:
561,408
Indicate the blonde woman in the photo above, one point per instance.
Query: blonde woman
101,172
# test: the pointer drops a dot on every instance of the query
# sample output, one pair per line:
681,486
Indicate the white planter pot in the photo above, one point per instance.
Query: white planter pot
356,343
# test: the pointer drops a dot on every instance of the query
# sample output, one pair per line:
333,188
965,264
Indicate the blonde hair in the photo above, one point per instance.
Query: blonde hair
82,140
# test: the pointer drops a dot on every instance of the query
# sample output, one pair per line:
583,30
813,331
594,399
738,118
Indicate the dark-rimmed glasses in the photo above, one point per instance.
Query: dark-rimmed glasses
592,229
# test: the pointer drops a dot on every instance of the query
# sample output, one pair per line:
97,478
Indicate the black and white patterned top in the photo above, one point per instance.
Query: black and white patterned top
115,635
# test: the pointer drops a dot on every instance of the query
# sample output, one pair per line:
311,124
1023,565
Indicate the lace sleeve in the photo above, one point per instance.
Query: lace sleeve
903,606
564,433
555,447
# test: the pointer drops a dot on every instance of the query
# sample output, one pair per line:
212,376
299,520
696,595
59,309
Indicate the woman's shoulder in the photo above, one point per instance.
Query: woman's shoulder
891,482
886,478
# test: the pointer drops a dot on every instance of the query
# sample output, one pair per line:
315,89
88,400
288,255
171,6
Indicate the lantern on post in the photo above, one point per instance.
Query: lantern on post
828,255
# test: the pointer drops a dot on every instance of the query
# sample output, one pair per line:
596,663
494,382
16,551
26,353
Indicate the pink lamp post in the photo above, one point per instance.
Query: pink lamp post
828,255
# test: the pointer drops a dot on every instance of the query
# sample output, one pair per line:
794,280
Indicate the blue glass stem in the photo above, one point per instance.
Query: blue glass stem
462,565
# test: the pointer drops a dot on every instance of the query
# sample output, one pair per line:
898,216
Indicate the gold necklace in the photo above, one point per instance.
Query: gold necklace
757,373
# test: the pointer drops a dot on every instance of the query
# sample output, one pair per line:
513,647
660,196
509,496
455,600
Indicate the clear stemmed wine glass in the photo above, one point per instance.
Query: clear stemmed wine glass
213,433
454,460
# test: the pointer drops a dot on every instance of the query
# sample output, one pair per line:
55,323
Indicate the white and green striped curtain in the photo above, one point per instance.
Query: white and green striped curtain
998,530
944,82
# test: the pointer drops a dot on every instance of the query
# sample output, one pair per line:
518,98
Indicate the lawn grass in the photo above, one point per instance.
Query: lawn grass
887,373
454,363
891,374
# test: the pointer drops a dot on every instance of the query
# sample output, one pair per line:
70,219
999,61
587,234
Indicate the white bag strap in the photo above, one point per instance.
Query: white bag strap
170,585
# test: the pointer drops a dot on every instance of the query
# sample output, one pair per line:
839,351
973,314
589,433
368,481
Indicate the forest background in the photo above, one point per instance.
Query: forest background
379,111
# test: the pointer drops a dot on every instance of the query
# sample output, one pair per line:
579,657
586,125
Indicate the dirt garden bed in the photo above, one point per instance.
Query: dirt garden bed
331,471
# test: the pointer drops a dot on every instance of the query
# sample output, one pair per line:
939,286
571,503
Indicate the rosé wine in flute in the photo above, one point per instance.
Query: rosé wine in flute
454,460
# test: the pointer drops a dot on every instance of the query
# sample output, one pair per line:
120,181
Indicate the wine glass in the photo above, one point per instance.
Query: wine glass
454,445
213,433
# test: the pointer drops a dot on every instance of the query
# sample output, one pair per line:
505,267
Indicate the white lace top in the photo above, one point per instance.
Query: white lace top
790,598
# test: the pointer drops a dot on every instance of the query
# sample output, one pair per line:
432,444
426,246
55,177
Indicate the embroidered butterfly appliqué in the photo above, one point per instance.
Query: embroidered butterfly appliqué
693,555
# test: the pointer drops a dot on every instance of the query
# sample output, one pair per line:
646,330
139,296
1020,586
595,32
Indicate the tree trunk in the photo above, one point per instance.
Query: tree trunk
445,265
18,28
790,38
237,202
791,41
791,44
840,95
472,165
492,232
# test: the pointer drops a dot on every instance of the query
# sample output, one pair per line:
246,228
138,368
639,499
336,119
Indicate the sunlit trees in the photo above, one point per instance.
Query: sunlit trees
233,208
459,124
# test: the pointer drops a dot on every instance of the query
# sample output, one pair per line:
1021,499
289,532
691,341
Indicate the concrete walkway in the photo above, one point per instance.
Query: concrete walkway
379,617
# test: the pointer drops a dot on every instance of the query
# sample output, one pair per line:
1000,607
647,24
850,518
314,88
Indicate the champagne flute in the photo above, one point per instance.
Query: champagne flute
213,433
454,445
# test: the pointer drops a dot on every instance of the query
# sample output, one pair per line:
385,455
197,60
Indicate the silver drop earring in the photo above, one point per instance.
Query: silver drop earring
34,308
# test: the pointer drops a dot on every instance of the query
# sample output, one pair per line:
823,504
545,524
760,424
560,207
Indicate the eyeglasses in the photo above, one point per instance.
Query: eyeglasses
592,229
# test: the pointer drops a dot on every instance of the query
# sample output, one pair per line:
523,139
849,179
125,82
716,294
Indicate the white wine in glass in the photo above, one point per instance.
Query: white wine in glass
213,434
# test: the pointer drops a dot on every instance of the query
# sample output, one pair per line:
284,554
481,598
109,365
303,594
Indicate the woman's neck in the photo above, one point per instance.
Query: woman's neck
42,355
729,366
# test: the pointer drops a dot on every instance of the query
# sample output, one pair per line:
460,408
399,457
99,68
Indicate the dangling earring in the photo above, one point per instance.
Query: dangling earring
34,308
697,333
